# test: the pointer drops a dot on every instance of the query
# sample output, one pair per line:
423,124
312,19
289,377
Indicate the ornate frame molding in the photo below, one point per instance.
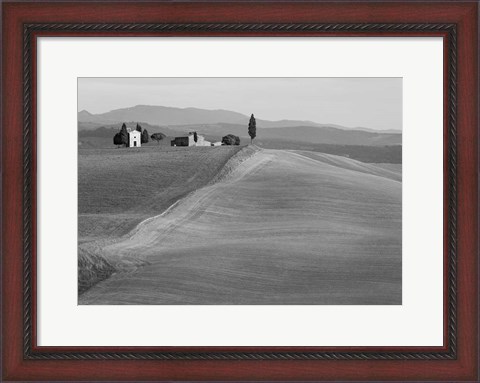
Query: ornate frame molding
231,28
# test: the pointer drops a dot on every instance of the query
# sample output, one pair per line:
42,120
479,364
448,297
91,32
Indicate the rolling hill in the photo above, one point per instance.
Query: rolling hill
109,207
281,228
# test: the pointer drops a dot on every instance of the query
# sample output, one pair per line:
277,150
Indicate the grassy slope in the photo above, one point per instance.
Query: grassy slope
392,172
282,228
129,185
118,188
369,154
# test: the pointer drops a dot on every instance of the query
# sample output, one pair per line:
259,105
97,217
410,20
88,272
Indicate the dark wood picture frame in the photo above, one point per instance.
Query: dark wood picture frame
23,22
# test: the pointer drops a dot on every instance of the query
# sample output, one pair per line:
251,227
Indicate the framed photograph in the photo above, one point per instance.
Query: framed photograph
240,191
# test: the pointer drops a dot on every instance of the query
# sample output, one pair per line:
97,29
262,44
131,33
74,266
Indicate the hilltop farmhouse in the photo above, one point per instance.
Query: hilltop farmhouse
193,139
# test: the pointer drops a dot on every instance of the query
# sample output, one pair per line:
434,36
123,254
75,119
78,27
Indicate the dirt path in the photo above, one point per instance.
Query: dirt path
283,228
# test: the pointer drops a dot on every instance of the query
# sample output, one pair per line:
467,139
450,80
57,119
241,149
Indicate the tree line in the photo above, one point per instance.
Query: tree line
121,138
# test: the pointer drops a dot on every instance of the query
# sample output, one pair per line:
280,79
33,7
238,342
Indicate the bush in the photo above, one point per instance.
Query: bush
231,139
117,139
158,137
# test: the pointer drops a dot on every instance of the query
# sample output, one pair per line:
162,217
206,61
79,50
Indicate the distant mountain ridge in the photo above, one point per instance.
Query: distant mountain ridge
85,116
171,116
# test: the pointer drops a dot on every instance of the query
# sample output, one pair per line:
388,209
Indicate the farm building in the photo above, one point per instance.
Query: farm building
134,138
190,140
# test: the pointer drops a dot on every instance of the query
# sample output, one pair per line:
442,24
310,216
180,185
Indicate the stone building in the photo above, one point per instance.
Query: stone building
189,140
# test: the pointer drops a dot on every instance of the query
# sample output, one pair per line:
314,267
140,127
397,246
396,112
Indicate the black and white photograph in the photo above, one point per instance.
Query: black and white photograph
240,191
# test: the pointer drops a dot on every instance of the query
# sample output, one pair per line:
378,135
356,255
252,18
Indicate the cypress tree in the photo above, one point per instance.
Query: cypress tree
252,128
124,134
144,137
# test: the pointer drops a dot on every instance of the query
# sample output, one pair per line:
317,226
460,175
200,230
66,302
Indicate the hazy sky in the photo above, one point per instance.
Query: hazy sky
352,102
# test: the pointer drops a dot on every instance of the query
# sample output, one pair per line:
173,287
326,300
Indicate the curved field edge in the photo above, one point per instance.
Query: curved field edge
118,189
